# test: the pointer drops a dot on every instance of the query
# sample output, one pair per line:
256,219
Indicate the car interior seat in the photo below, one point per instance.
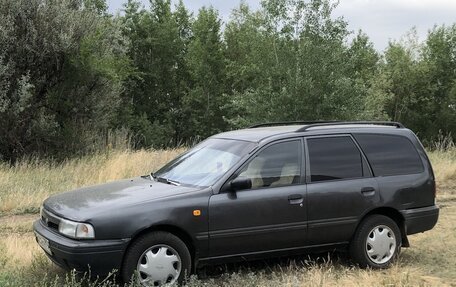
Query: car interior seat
289,175
253,172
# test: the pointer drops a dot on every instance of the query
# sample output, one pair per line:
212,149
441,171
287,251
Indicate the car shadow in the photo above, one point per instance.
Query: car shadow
217,271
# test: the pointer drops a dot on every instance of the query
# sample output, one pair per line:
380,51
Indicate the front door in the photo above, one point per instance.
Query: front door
272,214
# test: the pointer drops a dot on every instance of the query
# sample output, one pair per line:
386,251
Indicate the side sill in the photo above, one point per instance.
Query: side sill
250,256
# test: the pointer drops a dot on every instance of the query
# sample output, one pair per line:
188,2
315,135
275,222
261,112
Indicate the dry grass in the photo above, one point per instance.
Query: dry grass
20,248
24,186
431,260
444,164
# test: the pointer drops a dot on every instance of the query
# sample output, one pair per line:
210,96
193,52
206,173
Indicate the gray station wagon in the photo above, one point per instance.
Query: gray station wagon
269,190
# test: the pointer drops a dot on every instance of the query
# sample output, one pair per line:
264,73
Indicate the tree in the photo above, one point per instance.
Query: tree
416,83
439,58
158,47
297,58
71,73
61,72
206,100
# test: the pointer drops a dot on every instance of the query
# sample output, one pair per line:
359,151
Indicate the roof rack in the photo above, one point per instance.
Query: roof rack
340,123
272,124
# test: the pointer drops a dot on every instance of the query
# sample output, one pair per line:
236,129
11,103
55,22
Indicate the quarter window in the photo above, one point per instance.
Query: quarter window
333,158
390,154
276,165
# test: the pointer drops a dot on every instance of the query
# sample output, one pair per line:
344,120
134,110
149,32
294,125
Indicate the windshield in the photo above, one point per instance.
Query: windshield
205,163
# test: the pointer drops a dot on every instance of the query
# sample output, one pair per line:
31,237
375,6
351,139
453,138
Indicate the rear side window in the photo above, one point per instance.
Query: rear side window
390,154
333,158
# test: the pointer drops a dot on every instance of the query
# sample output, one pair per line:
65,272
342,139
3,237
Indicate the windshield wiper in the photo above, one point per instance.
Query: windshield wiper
173,182
150,176
165,180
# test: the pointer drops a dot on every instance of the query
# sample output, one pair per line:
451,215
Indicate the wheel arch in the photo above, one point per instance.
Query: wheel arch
173,229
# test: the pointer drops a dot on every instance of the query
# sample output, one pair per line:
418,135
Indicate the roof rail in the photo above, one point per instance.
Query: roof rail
340,123
272,124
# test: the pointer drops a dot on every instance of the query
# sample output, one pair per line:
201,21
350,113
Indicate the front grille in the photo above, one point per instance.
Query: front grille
53,225
50,220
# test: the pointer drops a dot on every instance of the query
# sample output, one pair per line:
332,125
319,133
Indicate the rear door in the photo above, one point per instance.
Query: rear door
399,169
340,188
269,216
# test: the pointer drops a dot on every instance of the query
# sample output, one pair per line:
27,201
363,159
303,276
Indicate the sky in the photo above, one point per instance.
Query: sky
381,20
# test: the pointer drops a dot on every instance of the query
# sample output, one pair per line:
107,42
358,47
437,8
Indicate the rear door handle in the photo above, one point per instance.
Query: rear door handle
295,199
368,190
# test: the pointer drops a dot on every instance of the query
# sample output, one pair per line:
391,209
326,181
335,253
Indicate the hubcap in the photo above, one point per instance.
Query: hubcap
380,244
159,265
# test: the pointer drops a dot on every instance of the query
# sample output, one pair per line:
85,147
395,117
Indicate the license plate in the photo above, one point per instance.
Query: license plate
43,242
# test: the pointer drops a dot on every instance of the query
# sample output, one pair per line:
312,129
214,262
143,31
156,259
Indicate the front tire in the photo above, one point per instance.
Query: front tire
376,243
155,259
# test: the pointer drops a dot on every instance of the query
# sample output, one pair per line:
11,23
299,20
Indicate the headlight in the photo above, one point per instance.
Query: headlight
76,229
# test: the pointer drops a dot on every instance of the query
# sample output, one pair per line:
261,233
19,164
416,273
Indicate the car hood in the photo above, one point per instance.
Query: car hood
85,203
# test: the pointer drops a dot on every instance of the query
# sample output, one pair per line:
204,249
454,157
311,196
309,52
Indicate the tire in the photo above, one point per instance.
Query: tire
376,243
155,259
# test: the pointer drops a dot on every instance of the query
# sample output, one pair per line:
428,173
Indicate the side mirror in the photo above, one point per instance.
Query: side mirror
241,183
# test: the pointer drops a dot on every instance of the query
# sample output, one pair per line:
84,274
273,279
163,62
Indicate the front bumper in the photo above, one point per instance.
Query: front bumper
97,256
420,219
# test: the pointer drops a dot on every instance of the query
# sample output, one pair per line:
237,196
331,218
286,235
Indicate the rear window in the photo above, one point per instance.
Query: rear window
390,154
333,158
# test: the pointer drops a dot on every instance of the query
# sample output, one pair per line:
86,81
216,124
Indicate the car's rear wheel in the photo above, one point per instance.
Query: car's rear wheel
156,259
376,243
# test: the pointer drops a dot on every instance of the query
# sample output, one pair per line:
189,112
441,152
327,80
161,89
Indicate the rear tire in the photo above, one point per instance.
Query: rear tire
155,259
376,243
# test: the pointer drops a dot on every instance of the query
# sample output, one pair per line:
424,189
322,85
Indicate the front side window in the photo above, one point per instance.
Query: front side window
205,163
332,158
276,165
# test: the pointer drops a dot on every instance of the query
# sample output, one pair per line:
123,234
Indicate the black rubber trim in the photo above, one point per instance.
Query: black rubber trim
420,219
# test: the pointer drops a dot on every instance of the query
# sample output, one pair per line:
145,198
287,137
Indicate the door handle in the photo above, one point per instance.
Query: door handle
368,190
295,199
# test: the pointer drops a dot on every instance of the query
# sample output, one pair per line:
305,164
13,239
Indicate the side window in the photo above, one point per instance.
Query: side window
334,158
390,154
276,165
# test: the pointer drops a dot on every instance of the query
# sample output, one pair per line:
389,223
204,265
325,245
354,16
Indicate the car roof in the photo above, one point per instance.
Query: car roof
263,132
258,134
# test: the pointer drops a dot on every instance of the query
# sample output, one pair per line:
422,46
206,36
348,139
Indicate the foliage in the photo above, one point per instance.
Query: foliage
73,77
297,66
206,99
61,71
417,82
153,95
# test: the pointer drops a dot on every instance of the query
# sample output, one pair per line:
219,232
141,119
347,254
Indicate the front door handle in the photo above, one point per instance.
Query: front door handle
295,199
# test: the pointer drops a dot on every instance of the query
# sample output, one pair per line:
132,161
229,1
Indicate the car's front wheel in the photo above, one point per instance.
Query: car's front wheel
157,258
376,243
